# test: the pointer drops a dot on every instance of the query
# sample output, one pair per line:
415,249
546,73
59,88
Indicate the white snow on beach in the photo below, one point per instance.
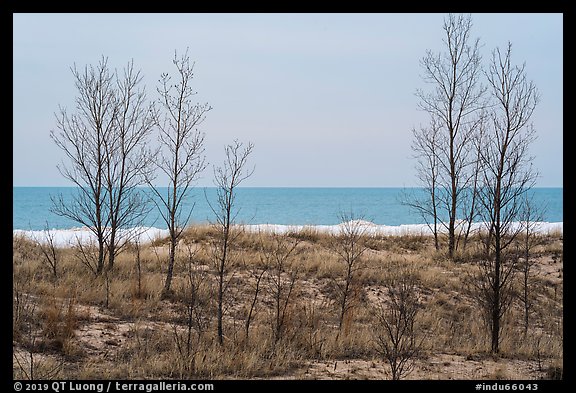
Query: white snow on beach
372,229
70,237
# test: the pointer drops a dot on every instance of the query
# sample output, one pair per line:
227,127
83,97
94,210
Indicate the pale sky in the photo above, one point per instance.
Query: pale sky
327,99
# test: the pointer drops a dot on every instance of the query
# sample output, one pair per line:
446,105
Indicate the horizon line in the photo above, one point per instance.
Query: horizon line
212,186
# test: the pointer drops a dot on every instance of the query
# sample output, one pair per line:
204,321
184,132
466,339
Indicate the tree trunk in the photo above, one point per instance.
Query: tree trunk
100,266
496,288
170,272
436,243
220,313
345,299
112,249
526,303
220,307
452,221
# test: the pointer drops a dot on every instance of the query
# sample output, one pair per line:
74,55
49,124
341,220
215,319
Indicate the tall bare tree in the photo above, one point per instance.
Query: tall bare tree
105,141
453,104
181,156
81,136
507,175
127,160
227,178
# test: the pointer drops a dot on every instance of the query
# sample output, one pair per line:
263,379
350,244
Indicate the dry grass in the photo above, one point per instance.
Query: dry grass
87,327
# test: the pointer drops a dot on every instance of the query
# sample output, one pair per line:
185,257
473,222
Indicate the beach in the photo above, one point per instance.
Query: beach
70,237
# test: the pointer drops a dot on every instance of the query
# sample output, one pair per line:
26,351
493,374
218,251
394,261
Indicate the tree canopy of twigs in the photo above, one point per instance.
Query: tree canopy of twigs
455,104
104,140
181,155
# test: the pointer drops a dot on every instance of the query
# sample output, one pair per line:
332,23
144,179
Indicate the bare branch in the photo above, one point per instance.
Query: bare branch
227,178
181,156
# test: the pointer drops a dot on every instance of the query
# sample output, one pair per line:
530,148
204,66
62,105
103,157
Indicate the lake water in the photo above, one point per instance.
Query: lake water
286,206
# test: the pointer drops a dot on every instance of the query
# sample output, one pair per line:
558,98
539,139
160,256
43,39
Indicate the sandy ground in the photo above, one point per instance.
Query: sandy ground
437,367
100,336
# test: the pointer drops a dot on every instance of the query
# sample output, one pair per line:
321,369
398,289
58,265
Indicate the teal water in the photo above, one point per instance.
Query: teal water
287,206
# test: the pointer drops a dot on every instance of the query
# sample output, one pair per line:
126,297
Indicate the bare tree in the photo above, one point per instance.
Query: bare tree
194,313
227,178
530,215
81,136
29,331
350,245
281,279
492,287
507,175
105,142
31,366
257,273
396,337
181,157
50,253
453,105
127,160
